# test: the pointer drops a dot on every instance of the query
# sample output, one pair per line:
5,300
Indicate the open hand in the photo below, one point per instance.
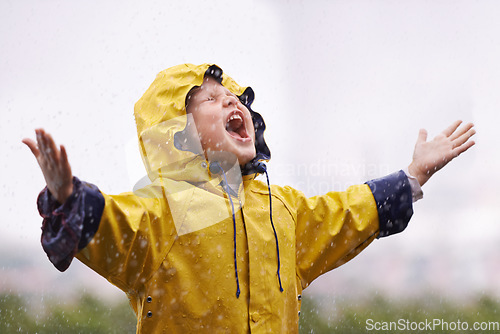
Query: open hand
431,156
53,163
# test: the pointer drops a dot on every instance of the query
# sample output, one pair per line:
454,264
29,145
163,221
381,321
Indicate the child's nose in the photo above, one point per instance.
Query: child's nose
230,100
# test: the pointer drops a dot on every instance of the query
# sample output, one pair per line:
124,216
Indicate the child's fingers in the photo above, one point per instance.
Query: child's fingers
52,147
40,138
64,159
64,155
461,149
464,138
46,152
461,131
422,136
32,146
48,148
42,157
449,130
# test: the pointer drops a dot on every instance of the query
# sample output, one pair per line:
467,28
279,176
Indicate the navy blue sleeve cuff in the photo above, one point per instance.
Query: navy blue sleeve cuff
69,227
392,194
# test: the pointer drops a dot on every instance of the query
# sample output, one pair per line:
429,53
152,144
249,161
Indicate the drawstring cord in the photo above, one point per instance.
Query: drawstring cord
217,169
272,224
260,167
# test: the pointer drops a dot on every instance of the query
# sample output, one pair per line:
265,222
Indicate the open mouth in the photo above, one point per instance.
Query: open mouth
235,126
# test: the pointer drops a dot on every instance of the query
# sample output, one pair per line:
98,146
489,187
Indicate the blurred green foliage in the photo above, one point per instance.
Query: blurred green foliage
89,314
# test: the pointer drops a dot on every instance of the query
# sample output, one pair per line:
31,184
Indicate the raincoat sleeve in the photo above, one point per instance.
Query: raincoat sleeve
333,228
134,235
122,237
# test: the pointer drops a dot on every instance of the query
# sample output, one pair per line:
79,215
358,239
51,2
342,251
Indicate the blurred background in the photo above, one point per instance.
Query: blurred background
344,87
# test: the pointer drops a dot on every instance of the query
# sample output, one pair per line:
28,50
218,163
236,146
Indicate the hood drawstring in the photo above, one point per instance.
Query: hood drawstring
261,167
215,168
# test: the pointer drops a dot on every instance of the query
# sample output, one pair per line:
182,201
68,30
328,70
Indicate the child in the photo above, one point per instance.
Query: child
205,247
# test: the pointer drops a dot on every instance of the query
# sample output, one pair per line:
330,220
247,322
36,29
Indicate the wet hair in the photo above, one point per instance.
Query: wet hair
213,72
192,92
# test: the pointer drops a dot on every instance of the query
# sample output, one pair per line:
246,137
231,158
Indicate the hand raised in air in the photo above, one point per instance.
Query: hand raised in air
431,156
54,164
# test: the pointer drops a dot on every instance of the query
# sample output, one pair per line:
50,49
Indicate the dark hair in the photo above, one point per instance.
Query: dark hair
192,92
212,71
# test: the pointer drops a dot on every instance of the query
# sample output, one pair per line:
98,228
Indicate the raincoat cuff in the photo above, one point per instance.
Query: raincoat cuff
69,227
393,196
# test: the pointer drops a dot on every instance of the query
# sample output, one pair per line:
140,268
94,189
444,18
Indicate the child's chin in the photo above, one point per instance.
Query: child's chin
246,158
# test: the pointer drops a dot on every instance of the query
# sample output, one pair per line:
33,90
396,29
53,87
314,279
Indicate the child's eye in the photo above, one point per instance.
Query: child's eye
210,98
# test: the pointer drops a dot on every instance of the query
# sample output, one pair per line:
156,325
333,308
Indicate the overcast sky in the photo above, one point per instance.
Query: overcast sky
343,86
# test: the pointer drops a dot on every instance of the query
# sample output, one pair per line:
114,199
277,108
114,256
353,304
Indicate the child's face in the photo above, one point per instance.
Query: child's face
223,122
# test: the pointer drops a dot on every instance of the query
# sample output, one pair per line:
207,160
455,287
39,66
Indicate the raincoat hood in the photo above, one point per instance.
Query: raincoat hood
163,126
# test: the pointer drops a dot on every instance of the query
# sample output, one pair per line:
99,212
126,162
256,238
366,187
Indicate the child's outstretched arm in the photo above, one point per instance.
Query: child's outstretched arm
53,163
71,209
431,156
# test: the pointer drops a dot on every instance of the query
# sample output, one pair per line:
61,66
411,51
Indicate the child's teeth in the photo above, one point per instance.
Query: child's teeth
234,122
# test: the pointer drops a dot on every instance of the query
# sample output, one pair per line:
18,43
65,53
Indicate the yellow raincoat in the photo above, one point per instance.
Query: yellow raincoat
180,278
